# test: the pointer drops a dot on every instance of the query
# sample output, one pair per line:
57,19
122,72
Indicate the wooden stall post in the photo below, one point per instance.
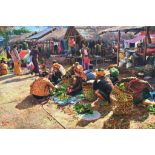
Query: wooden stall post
145,43
118,48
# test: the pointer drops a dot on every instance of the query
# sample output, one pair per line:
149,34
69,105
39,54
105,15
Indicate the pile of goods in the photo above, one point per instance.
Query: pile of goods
83,108
59,91
151,108
63,97
88,91
85,112
122,102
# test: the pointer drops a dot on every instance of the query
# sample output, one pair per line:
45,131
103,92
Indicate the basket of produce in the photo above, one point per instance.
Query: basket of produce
122,102
88,91
66,80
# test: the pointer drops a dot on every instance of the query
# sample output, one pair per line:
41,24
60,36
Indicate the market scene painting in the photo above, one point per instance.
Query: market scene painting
77,77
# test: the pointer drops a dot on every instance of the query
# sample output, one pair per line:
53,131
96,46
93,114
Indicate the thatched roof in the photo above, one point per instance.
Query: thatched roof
86,32
122,28
19,38
57,34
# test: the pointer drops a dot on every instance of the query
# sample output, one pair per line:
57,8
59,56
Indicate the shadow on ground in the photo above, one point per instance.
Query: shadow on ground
17,80
30,102
139,114
5,77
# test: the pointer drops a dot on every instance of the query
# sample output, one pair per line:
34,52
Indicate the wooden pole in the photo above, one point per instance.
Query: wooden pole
145,43
118,48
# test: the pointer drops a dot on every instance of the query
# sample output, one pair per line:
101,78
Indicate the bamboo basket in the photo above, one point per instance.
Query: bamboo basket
67,80
88,91
122,102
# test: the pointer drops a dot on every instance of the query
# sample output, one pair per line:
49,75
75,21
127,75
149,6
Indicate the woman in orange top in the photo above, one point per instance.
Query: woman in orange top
40,88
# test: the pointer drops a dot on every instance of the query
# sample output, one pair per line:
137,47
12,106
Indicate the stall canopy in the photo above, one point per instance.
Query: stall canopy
57,34
40,34
139,37
19,38
123,28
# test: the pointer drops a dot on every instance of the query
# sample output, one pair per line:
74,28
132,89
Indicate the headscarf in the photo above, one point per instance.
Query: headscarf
79,71
56,66
100,72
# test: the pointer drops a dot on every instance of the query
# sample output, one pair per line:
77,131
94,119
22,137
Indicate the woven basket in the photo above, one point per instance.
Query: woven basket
88,92
67,81
121,106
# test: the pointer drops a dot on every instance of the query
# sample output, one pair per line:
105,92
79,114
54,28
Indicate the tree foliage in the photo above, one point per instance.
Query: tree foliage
20,31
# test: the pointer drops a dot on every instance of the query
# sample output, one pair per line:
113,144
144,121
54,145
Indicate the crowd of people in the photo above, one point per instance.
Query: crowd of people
102,83
48,79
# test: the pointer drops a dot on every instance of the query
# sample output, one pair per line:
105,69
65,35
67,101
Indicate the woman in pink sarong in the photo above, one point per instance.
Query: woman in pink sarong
85,57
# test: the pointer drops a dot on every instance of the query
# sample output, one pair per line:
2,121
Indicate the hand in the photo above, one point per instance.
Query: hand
56,86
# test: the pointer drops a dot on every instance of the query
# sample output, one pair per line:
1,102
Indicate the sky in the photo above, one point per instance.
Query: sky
34,28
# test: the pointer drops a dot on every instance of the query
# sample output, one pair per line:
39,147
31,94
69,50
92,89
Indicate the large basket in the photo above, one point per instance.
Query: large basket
88,91
122,102
67,80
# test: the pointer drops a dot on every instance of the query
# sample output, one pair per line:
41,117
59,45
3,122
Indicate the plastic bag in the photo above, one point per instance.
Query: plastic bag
128,65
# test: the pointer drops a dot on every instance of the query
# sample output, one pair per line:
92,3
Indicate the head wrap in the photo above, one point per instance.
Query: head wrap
100,72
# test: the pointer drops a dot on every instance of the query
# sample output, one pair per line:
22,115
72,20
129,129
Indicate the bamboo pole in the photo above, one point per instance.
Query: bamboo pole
145,43
118,48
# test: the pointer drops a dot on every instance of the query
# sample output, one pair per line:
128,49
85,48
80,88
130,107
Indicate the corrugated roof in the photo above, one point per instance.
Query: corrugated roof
40,34
57,34
121,28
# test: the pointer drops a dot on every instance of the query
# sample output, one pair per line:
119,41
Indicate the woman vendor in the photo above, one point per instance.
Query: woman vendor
40,88
57,72
78,71
76,86
3,67
102,86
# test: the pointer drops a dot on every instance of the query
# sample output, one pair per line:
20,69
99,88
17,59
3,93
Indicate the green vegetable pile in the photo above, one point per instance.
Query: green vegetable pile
58,91
83,108
151,108
121,86
63,97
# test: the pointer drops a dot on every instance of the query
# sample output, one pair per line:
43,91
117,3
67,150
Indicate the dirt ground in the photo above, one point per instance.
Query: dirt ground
20,111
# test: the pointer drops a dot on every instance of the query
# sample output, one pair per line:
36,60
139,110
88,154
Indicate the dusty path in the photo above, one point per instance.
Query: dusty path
18,109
